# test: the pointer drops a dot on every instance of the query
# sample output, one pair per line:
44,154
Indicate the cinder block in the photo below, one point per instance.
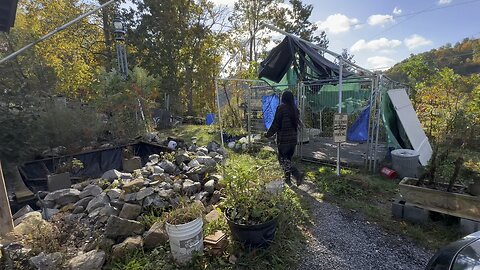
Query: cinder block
469,226
58,181
415,214
397,209
131,164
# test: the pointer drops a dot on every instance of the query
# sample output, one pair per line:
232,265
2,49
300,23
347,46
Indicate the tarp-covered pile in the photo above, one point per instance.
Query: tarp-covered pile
306,60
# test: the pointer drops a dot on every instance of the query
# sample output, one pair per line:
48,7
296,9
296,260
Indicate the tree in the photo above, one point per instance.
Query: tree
296,20
174,40
246,19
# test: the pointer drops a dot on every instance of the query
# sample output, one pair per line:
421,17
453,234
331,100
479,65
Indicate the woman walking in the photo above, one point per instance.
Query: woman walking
286,124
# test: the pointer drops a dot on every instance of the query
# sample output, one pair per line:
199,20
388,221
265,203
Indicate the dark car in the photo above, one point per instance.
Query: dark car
463,254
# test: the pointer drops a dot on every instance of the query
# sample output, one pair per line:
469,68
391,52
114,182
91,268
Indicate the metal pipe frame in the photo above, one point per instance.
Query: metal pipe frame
58,29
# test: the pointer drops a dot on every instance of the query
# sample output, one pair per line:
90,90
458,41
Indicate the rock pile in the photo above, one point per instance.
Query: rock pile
114,207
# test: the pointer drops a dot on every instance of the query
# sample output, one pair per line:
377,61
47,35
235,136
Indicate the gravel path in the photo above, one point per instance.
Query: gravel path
340,240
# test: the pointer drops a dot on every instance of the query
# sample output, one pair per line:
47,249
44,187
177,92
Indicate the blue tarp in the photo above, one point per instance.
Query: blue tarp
358,132
210,119
269,106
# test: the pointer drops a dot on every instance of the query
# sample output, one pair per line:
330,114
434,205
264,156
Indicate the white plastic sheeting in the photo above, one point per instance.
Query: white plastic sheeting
411,124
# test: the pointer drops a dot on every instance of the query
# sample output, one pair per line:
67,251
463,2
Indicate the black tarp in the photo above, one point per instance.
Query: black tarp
8,9
293,50
95,163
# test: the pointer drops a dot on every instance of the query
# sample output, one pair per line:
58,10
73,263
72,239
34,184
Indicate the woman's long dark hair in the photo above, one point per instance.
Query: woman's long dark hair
288,99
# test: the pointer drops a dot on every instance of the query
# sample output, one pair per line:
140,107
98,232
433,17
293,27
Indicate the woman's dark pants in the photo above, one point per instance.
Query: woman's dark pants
285,154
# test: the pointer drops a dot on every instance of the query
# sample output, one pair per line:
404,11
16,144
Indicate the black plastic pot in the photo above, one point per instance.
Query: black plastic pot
253,236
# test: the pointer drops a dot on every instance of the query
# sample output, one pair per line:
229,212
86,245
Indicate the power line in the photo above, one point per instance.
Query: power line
436,8
412,15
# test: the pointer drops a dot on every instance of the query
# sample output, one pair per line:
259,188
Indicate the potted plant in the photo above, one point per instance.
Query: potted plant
251,211
437,189
184,226
60,179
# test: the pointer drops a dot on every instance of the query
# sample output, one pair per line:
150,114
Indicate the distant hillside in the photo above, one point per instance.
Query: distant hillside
463,58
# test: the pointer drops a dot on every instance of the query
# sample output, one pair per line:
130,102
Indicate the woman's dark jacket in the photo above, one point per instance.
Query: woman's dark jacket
283,126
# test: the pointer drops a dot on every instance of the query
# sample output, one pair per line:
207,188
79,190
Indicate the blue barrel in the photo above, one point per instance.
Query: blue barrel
210,119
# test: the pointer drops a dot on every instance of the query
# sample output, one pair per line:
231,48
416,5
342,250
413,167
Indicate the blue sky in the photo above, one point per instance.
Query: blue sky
381,33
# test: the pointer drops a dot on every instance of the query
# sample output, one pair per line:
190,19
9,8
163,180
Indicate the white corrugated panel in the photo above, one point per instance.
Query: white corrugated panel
411,124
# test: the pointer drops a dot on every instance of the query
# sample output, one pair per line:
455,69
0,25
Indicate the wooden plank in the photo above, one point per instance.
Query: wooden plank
454,204
6,222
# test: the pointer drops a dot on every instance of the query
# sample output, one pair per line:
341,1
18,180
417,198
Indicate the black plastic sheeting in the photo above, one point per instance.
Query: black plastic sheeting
95,163
280,59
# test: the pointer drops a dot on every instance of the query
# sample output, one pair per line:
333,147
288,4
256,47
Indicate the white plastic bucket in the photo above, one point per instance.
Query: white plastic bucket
185,238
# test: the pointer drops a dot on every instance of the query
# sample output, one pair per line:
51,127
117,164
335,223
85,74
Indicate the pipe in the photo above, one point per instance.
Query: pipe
58,29
340,90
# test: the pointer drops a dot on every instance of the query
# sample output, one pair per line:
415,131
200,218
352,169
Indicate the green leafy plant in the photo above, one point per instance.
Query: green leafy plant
71,166
184,213
247,201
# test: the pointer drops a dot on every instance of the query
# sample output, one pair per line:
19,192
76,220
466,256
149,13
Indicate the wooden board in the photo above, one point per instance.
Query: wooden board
454,204
413,128
6,222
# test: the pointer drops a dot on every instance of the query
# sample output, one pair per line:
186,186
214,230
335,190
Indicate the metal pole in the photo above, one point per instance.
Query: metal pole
367,156
218,112
378,123
58,29
340,89
301,107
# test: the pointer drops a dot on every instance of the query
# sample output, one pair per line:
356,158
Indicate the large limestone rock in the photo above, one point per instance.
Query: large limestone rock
114,193
63,196
92,260
189,187
143,193
46,261
120,227
213,146
130,211
99,201
210,186
83,202
156,236
182,158
155,200
90,190
154,158
128,245
207,161
33,214
168,166
133,185
32,223
111,175
20,213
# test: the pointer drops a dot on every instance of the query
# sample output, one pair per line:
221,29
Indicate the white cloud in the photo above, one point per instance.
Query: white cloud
444,2
375,45
397,11
415,41
380,19
380,62
228,3
337,23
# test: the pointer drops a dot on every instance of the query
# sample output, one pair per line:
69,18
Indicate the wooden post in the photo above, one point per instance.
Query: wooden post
6,222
